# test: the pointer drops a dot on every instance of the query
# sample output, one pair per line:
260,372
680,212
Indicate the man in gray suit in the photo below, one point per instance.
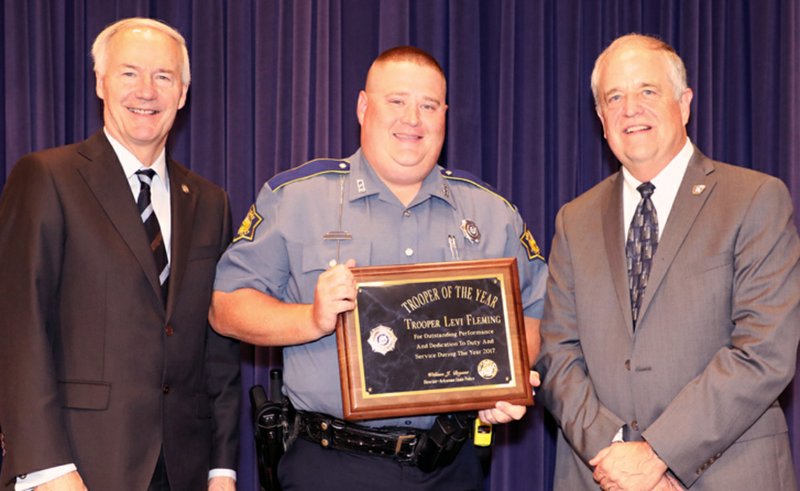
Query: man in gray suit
669,379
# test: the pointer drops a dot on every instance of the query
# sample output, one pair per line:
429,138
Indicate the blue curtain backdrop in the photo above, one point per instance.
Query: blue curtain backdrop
275,83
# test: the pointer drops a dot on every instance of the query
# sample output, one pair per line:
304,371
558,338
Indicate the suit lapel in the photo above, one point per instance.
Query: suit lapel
183,199
103,174
687,205
613,232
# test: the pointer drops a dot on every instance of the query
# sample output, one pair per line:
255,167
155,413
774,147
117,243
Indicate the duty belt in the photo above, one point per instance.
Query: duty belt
397,443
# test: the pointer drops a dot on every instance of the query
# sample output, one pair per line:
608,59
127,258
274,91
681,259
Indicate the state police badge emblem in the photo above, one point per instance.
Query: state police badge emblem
247,230
382,339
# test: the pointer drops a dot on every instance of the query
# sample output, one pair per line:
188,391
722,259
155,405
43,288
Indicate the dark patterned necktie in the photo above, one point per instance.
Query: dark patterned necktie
152,228
641,246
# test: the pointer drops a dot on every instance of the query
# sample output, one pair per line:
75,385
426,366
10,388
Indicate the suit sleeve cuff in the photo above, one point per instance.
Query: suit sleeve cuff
30,481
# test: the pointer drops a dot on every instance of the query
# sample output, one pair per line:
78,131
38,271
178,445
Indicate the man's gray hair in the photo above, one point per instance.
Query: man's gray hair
677,70
101,42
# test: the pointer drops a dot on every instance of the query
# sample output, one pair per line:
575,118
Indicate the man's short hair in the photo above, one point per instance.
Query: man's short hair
411,54
677,70
101,42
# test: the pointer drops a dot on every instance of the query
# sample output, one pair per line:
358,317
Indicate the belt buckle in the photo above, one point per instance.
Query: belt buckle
402,439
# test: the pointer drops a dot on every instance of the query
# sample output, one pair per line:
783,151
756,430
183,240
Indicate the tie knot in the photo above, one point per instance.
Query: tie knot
646,189
145,176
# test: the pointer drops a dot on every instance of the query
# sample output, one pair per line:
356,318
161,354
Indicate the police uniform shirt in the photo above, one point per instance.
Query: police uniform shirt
280,249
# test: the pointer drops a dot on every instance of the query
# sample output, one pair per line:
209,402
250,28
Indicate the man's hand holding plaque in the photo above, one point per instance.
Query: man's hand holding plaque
505,412
335,293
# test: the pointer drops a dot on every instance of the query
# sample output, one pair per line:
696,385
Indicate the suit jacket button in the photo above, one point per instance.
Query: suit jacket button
635,425
628,365
169,330
165,389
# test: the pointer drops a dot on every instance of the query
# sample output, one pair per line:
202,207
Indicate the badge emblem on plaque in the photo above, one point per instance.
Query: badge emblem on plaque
382,339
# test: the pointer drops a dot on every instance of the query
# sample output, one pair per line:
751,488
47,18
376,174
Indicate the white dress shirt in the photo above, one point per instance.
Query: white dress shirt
666,185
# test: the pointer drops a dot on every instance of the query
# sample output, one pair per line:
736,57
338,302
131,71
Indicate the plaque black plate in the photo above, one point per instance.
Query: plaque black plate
433,338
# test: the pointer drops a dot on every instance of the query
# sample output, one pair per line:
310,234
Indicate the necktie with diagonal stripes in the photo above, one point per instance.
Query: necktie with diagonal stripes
152,228
641,247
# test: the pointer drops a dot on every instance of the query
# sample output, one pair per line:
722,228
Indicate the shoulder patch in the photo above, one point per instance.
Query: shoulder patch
469,178
247,230
307,171
530,245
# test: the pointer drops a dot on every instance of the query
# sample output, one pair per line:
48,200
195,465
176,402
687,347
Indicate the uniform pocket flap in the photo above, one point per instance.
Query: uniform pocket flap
321,256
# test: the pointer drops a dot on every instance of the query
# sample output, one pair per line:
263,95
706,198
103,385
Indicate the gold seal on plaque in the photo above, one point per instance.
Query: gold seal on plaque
487,369
382,339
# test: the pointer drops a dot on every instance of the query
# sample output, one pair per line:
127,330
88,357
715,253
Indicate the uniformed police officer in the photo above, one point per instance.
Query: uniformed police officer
287,276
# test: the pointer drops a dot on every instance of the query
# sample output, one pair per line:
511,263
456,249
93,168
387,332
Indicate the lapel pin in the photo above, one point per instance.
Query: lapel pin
698,189
185,188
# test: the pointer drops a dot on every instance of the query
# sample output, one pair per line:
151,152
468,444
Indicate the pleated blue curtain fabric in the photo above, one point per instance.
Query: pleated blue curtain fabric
275,82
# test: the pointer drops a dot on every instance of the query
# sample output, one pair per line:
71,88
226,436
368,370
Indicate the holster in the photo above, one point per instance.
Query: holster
440,445
270,422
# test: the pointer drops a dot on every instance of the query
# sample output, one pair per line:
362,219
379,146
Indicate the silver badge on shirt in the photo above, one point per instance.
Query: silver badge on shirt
471,231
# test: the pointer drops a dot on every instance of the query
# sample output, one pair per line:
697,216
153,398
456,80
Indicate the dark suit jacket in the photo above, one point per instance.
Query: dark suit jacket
715,344
95,370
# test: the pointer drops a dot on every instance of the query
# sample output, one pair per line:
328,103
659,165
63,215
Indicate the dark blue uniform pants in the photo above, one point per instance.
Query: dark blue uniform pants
308,466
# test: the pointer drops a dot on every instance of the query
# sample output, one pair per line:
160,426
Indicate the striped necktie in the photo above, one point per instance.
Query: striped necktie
152,228
641,247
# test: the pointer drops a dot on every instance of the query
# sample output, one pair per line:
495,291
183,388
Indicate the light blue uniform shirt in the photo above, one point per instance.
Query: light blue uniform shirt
280,250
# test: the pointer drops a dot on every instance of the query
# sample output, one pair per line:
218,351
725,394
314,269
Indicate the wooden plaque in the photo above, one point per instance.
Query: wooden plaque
433,338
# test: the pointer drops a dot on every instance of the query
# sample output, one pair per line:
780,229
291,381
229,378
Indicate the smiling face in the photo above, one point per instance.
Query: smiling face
643,120
402,117
141,89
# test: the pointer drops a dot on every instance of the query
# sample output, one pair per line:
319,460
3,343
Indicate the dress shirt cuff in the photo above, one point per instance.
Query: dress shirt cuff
222,473
30,481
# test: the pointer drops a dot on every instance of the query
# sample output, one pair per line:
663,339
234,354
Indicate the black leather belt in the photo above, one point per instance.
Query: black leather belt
397,443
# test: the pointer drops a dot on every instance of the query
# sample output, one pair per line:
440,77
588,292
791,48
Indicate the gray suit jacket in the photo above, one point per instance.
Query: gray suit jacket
96,370
716,340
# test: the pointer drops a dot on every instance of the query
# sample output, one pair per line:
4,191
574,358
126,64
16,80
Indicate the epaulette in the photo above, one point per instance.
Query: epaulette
469,178
308,170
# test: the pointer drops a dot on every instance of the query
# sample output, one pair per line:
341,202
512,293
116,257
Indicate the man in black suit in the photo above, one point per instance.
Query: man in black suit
112,378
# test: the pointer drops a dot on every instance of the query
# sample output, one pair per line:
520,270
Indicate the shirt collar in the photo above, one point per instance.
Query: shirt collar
130,164
365,182
670,176
435,185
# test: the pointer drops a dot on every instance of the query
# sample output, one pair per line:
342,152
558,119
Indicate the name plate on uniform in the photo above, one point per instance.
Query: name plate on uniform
433,338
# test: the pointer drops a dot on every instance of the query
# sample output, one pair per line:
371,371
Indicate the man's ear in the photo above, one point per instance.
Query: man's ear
99,86
599,113
184,91
361,106
686,105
